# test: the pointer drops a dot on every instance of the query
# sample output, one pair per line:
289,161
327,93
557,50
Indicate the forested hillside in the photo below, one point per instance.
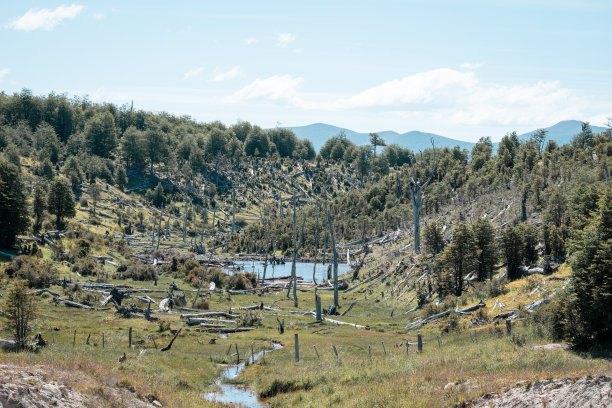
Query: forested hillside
102,202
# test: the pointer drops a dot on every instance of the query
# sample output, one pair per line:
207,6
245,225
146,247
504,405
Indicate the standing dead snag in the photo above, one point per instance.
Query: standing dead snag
416,194
333,243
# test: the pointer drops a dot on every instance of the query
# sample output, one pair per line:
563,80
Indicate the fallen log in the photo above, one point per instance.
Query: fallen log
41,291
365,281
70,303
169,346
229,330
257,307
338,322
349,309
193,321
145,299
211,314
422,322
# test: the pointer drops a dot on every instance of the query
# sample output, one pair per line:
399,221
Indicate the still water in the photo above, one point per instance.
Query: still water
302,269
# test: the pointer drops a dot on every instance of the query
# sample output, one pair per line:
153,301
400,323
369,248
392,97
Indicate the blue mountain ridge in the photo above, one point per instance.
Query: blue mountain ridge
562,132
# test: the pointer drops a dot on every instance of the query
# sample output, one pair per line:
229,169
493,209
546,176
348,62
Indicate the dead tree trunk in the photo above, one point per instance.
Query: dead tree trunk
294,248
333,243
185,221
314,267
416,194
169,346
233,210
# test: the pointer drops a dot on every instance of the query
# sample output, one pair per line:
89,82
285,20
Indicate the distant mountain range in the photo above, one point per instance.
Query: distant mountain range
563,132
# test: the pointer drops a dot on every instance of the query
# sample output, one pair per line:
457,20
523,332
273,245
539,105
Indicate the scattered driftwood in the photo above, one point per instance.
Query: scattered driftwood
169,346
422,322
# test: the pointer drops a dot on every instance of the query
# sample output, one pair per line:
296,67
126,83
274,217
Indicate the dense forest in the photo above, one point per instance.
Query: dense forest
515,204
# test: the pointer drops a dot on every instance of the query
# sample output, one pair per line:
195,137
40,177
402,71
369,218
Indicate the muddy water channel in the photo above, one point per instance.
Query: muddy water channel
236,394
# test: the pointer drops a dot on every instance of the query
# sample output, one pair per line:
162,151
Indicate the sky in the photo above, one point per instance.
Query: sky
462,69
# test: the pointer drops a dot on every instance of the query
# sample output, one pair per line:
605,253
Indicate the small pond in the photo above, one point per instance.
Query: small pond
302,269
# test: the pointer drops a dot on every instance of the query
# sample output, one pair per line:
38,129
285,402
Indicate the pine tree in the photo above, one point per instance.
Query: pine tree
460,256
487,251
13,204
60,200
434,240
101,135
39,206
512,244
590,318
121,178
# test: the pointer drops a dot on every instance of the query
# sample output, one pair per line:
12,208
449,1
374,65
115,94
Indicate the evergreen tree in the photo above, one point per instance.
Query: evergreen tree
13,204
101,135
590,320
529,235
133,148
156,146
487,251
121,178
512,244
459,257
39,206
60,200
157,196
433,238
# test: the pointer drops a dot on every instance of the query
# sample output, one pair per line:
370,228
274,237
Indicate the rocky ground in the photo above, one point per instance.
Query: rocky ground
591,392
24,387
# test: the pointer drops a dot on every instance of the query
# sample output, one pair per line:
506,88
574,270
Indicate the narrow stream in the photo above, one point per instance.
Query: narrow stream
235,394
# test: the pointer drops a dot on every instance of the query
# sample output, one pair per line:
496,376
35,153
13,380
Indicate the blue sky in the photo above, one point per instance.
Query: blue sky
463,69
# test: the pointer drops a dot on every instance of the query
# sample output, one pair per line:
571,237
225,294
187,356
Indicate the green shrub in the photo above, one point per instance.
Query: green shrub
85,267
239,281
38,273
251,318
136,270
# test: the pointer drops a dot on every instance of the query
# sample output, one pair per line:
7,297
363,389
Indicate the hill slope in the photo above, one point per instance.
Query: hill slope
562,132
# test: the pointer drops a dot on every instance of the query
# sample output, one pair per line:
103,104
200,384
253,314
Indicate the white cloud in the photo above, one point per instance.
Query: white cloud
435,87
224,76
276,87
471,65
4,72
284,39
192,73
438,96
98,16
251,41
44,18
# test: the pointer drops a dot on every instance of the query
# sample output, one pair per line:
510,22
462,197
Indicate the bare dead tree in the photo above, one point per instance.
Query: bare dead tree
333,244
416,194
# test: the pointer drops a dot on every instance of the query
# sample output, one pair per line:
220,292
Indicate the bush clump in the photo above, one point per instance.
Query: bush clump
242,281
136,270
37,273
